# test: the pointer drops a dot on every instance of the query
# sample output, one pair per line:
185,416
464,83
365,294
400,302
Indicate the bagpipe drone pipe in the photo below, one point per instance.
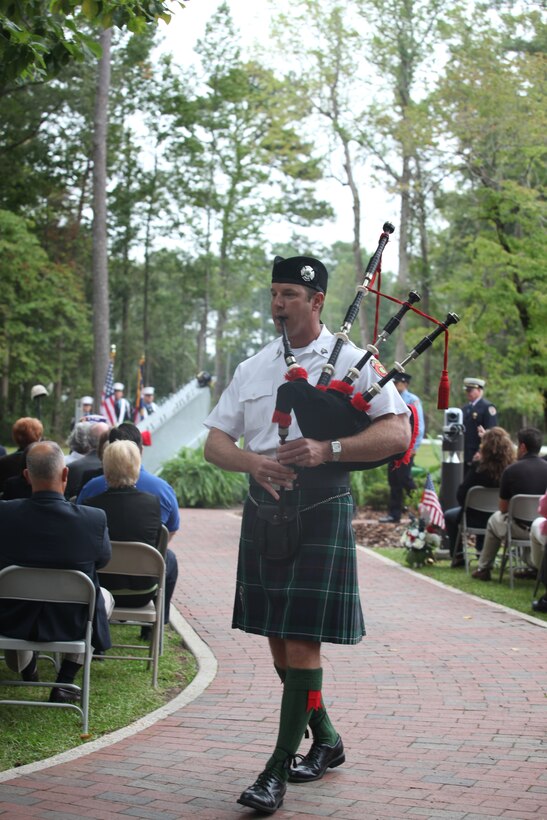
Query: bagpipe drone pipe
331,410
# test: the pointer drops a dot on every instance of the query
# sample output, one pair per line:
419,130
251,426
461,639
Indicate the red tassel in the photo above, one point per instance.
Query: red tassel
443,398
341,387
314,700
415,430
283,419
360,404
146,438
296,373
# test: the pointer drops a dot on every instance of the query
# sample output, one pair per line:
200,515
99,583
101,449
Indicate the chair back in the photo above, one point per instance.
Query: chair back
482,499
134,558
52,585
523,507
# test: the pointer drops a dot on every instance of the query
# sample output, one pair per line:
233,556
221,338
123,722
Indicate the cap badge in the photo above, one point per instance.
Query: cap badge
307,273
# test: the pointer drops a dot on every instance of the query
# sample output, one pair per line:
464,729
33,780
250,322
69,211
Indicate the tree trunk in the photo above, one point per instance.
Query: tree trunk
356,245
101,315
402,278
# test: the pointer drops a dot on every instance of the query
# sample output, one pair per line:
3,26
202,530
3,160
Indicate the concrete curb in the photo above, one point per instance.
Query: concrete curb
207,669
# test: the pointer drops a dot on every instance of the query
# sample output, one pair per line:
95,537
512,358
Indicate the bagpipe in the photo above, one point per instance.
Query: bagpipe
331,409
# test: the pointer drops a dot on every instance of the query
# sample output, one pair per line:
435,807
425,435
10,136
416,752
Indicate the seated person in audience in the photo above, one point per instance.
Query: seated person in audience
538,546
25,431
48,531
131,516
78,442
146,483
90,464
528,476
496,452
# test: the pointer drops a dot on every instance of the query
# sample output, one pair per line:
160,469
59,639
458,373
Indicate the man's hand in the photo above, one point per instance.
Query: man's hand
304,452
267,472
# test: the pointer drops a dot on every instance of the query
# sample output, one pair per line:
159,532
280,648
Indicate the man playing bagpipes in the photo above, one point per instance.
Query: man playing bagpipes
297,571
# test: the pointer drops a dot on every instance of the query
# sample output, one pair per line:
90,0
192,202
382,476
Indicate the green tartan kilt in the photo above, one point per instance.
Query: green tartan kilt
315,595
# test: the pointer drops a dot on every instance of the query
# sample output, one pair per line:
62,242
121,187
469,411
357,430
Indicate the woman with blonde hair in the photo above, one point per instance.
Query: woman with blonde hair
496,452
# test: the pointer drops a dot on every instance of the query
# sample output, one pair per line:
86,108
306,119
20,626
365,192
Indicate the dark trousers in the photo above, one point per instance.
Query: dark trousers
400,481
452,518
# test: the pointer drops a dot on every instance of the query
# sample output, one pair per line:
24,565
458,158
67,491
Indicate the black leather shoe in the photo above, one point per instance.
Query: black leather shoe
388,519
540,605
266,794
60,695
319,758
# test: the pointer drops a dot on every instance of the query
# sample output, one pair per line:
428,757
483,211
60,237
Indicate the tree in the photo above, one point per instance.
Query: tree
493,109
331,80
43,321
40,37
101,313
248,164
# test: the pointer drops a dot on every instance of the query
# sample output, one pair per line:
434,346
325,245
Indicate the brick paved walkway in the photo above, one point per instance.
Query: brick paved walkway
442,709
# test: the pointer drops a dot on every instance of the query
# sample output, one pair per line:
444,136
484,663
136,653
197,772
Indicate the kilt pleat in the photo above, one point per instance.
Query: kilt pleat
314,596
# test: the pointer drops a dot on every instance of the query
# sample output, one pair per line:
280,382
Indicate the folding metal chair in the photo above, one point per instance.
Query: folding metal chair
481,499
62,586
522,507
138,559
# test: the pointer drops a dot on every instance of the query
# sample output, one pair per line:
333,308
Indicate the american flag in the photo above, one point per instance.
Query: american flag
107,398
140,412
430,508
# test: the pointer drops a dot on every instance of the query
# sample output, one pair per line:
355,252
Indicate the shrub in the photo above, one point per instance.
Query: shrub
370,488
199,484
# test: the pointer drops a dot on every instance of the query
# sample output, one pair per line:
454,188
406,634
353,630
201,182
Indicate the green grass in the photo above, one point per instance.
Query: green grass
121,692
518,598
429,456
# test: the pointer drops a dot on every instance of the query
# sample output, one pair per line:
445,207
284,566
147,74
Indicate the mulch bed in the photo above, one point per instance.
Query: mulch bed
370,533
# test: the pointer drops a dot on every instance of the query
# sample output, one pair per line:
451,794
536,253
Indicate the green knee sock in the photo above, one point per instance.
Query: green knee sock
319,722
295,713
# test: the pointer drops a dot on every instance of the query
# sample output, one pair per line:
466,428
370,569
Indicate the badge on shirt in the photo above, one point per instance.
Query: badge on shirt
378,367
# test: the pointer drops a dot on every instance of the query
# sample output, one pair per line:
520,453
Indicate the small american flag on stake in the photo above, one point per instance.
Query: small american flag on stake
107,399
430,508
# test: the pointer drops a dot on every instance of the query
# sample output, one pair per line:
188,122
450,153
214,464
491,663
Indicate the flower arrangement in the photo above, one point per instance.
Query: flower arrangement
420,541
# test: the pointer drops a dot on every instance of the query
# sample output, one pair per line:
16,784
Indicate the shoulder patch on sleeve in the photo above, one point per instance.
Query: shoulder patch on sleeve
492,410
378,367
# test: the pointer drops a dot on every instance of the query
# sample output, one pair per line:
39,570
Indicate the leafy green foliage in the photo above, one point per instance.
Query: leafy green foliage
40,300
370,488
120,693
200,484
40,37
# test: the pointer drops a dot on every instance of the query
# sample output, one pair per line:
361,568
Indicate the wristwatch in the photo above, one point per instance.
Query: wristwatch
336,449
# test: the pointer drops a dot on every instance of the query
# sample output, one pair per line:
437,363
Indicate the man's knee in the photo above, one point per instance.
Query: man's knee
303,654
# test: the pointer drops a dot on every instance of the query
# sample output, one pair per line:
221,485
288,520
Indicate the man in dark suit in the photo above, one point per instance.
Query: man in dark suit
48,531
89,465
478,414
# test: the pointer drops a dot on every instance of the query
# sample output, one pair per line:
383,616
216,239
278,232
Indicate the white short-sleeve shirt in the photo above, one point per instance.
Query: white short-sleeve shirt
247,405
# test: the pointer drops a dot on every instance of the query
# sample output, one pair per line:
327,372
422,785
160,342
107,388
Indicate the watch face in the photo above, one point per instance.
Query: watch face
336,447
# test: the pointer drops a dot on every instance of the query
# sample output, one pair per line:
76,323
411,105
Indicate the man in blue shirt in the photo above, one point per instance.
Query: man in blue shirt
400,478
146,483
